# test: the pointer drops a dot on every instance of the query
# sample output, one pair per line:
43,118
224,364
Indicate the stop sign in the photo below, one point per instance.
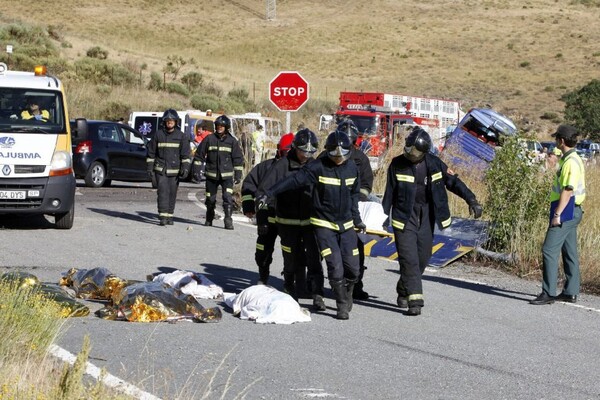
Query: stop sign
288,91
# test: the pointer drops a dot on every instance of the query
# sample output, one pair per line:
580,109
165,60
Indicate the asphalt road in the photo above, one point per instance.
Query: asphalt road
477,338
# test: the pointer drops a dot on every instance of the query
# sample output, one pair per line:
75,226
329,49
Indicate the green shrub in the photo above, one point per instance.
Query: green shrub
517,202
192,80
97,52
115,110
101,71
156,82
205,102
581,109
176,87
212,88
238,93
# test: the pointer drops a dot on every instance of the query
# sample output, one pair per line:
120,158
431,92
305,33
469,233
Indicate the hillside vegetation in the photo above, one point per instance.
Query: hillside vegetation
518,57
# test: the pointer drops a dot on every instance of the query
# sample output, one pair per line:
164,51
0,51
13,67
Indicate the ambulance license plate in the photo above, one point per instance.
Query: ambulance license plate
12,195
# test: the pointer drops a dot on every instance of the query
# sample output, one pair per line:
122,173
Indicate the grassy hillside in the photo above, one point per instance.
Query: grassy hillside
519,57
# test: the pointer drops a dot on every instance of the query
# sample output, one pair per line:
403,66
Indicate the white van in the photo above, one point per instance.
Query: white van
36,163
242,127
148,122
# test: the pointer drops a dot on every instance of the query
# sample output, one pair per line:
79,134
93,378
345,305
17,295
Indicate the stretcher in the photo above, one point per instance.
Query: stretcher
461,237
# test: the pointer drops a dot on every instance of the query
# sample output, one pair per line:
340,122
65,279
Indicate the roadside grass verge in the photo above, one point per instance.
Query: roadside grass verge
29,324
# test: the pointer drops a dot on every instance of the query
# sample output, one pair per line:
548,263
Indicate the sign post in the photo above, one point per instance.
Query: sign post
288,91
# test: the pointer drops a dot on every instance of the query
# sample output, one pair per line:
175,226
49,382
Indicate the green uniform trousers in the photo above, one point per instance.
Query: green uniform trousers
562,239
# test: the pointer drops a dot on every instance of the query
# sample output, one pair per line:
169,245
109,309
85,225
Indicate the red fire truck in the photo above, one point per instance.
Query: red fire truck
381,122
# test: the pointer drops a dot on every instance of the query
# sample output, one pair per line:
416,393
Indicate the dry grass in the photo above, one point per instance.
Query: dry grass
518,57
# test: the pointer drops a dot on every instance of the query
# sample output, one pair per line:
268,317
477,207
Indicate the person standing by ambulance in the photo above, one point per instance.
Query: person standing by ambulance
168,160
415,200
335,189
568,194
267,231
220,159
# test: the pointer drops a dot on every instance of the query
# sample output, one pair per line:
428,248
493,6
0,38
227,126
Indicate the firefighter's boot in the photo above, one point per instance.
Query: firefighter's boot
210,214
317,293
162,221
288,284
228,220
341,298
350,290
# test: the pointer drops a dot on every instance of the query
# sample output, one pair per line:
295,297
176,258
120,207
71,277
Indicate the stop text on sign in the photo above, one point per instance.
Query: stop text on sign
288,91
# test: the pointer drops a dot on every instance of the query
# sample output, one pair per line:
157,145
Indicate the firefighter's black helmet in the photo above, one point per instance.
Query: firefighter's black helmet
223,120
350,128
338,146
170,114
306,140
417,144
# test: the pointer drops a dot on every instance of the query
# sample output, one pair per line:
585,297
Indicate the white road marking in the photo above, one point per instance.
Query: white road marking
108,379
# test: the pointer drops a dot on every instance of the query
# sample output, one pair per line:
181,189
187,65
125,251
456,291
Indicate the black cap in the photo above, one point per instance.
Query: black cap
565,132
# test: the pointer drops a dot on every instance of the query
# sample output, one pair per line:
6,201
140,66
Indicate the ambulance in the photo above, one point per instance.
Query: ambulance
36,164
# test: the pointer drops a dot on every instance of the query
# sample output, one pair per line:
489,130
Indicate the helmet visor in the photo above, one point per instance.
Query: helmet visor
339,151
413,154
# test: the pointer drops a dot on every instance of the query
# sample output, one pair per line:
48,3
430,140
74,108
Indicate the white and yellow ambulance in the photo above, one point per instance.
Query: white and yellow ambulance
36,168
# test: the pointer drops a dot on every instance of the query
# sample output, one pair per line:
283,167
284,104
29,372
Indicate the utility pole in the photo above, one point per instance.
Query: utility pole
271,9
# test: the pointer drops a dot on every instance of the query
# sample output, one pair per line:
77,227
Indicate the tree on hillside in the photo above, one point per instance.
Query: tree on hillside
582,109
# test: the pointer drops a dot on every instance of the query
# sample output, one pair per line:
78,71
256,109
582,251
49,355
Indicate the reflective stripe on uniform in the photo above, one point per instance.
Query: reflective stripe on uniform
350,181
405,178
397,224
330,225
247,197
329,181
326,252
229,190
364,191
226,174
354,252
446,223
260,247
286,249
271,220
240,168
295,222
172,170
211,174
168,144
217,148
415,297
436,177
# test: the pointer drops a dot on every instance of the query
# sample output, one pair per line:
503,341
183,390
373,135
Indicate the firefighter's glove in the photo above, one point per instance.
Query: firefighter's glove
262,203
237,178
197,174
184,172
361,227
475,209
262,229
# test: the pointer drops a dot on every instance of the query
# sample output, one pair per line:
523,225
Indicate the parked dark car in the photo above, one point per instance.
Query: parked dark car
106,150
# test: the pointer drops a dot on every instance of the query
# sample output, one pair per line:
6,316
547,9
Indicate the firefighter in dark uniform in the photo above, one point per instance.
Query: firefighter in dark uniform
267,233
168,160
293,210
335,190
366,185
416,195
219,158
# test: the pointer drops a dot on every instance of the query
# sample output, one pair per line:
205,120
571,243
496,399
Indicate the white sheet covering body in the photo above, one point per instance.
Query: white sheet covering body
266,305
192,283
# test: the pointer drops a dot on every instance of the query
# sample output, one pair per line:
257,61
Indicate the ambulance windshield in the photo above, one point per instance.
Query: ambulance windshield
31,110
